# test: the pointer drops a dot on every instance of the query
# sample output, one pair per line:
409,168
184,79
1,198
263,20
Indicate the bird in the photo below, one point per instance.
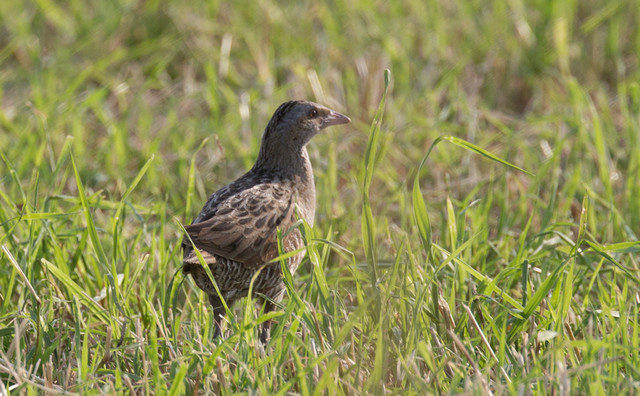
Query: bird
236,231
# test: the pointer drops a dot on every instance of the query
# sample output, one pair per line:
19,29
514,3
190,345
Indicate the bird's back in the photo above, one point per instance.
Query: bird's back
240,221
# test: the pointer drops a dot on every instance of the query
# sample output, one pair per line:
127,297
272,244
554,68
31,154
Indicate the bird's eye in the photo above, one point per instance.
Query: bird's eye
313,113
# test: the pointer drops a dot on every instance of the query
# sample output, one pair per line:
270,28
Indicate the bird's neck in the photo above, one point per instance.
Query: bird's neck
307,194
289,162
293,165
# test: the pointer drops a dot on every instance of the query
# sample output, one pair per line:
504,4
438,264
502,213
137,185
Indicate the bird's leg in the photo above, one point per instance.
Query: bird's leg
218,314
270,300
265,331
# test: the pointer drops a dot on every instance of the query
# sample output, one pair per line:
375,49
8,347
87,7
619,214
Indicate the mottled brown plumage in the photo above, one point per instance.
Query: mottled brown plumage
236,231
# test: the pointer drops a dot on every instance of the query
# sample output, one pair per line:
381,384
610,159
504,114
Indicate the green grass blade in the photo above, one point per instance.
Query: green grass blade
472,147
367,224
93,233
77,291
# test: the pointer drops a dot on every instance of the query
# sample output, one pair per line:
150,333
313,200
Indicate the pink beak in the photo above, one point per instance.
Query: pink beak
335,118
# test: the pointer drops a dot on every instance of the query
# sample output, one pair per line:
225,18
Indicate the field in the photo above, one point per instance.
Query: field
477,227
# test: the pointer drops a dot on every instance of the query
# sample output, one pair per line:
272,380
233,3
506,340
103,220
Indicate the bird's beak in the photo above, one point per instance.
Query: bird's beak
335,118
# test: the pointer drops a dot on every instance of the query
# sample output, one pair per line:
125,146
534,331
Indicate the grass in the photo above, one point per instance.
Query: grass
430,269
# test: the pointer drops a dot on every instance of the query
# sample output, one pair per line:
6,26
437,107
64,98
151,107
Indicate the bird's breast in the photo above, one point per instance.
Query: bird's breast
304,191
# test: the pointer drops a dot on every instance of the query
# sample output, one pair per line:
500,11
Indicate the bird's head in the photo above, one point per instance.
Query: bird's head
296,122
292,126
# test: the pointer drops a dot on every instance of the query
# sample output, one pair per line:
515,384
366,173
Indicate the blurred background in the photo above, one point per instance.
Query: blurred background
131,79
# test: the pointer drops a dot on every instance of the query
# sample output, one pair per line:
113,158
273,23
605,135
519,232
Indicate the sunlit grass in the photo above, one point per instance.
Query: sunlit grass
477,227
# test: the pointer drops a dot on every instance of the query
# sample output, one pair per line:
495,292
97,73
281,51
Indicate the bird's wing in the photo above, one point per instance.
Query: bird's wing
243,227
